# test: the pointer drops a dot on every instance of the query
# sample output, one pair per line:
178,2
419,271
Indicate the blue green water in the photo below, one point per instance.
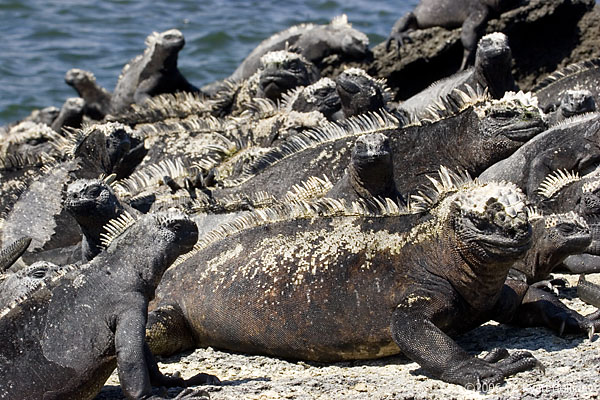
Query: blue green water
41,39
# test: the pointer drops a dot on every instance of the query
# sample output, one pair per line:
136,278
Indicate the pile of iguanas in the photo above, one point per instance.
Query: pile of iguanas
282,213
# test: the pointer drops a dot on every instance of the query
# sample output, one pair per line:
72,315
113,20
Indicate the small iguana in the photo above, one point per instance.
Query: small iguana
75,329
471,15
70,115
152,73
331,281
96,98
572,102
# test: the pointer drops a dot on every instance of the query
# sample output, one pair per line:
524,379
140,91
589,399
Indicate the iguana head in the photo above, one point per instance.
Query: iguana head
515,118
555,237
78,77
490,223
103,146
170,41
281,71
493,50
589,203
359,92
18,284
575,102
92,202
321,96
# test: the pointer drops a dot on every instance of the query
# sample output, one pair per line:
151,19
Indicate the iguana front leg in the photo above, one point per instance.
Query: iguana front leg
132,357
423,342
472,30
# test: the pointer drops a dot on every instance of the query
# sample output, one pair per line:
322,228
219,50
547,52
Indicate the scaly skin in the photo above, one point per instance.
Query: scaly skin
78,327
97,99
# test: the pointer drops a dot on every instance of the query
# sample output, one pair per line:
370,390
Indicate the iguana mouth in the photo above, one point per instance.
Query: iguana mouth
523,131
505,246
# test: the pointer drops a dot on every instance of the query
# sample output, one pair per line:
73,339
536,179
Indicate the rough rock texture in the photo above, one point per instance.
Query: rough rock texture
435,53
572,365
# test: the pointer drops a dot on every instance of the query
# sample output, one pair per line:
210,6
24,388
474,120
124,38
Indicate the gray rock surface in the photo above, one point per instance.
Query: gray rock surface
572,366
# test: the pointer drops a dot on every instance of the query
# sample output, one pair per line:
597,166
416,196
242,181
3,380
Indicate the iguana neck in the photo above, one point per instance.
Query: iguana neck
498,79
372,180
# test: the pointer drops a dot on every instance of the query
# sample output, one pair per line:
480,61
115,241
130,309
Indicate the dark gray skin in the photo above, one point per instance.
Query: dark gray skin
12,252
354,277
20,283
39,212
572,102
471,15
76,329
321,96
588,291
358,92
97,99
573,145
152,73
370,172
584,75
70,116
492,70
472,140
93,203
314,42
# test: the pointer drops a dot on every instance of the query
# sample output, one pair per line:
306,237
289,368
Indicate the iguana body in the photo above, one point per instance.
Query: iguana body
70,115
78,327
573,145
152,73
572,102
471,15
492,71
361,93
97,99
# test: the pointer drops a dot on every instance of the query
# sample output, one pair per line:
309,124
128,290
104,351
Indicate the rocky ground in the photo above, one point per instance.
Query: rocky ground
572,369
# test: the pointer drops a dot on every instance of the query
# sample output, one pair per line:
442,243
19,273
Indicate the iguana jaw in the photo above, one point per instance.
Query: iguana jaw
523,131
511,242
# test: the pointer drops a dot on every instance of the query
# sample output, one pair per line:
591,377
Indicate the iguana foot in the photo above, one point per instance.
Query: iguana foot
551,285
202,379
399,37
187,394
482,375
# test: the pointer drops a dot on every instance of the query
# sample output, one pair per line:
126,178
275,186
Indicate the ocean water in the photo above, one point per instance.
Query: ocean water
40,40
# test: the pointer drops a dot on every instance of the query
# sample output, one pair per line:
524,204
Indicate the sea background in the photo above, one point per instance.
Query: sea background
40,40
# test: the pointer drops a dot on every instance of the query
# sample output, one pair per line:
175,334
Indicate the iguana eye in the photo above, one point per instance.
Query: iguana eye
39,273
503,114
93,191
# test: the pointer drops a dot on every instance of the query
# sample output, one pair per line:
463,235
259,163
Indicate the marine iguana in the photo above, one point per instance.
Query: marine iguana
492,70
70,115
96,98
12,252
152,73
377,282
588,291
370,172
572,102
93,203
572,145
471,15
584,75
75,330
313,42
321,96
361,93
21,282
471,133
39,211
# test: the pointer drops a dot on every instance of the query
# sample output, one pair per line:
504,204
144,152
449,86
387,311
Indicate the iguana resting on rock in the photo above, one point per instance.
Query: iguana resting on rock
39,211
471,15
572,102
321,96
361,93
583,75
313,42
78,327
97,99
492,70
370,172
21,282
152,73
572,145
333,282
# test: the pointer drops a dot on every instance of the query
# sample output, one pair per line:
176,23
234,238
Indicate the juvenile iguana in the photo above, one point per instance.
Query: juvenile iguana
96,98
333,282
76,328
492,71
152,73
471,15
572,145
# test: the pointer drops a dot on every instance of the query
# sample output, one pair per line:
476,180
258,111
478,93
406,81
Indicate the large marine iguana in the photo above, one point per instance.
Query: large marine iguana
492,70
572,145
376,282
471,133
360,93
313,42
78,327
96,98
471,15
152,73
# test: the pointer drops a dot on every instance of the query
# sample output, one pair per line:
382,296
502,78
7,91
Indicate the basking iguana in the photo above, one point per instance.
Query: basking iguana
471,15
70,115
470,133
152,73
96,98
75,329
21,282
572,102
327,281
492,71
321,96
360,93
572,145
